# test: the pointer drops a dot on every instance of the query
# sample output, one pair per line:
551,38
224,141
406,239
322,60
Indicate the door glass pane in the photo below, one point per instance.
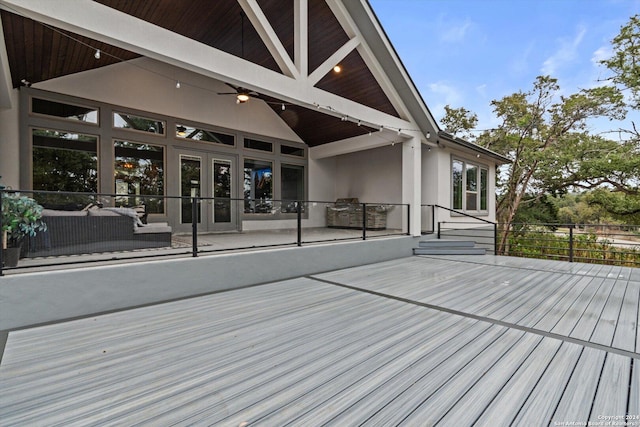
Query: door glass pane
472,187
190,168
222,191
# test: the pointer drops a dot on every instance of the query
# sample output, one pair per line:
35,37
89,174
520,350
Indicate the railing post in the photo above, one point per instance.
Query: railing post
299,212
571,242
438,229
495,238
194,227
364,221
408,219
1,237
433,218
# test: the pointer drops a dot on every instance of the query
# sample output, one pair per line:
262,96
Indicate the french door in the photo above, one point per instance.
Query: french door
213,178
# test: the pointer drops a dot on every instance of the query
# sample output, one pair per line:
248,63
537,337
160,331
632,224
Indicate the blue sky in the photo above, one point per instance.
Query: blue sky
466,53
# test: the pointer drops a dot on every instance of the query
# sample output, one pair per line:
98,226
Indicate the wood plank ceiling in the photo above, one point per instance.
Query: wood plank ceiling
37,52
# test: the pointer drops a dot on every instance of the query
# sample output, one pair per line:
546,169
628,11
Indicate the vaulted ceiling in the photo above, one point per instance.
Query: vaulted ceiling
38,52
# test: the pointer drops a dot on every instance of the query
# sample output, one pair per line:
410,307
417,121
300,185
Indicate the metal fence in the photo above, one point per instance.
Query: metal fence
85,227
611,244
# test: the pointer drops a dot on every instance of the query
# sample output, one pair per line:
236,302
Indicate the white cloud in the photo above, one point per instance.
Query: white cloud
482,90
444,94
566,53
602,53
454,32
520,65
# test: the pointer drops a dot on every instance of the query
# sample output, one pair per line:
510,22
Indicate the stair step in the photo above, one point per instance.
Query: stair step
433,243
450,251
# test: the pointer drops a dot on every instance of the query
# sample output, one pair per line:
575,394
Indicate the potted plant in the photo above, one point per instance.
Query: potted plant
21,216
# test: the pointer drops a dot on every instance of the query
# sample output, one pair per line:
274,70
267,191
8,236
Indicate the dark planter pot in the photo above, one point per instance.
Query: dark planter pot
10,257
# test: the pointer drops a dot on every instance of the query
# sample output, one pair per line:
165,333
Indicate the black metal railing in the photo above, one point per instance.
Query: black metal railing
88,227
468,227
591,243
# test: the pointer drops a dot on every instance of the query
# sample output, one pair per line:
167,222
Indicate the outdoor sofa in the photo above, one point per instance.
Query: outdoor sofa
95,230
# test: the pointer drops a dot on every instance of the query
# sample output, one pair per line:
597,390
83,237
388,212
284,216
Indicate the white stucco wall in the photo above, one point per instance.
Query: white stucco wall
373,176
132,86
10,143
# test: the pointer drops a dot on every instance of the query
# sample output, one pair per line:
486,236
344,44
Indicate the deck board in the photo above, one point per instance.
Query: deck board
307,352
576,401
540,405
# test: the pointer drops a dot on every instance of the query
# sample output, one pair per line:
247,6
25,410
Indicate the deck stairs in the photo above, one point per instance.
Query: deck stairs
448,247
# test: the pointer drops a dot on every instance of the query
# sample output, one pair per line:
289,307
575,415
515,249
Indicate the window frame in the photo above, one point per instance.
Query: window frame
479,191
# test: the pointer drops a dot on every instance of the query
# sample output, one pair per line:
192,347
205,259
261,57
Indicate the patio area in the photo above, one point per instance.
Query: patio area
451,340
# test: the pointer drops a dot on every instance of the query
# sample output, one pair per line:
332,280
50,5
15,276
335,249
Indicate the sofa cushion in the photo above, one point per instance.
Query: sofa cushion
102,212
52,212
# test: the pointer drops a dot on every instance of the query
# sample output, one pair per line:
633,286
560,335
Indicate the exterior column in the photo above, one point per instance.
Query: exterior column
411,182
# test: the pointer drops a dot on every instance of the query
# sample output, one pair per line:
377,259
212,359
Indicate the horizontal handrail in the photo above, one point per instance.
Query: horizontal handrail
461,213
131,233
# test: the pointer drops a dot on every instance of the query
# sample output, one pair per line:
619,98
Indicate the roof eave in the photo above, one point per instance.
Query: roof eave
499,158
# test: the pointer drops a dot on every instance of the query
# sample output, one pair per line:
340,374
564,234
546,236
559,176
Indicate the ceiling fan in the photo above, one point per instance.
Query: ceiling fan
242,94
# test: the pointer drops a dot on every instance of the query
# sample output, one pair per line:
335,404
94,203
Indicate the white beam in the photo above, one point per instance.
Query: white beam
333,60
269,37
301,36
352,145
6,85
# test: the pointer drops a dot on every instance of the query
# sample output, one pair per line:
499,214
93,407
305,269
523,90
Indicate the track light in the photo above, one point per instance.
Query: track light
97,54
283,108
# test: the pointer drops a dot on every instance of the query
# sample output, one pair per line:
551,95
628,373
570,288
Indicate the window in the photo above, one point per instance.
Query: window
469,186
291,186
196,134
64,111
292,151
129,121
457,169
139,171
258,186
64,161
484,176
472,187
258,145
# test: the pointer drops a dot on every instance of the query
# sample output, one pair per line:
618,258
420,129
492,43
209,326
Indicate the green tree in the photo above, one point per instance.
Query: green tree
625,62
459,121
534,131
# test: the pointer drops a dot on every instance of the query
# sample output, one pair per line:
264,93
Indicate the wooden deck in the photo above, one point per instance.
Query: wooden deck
418,341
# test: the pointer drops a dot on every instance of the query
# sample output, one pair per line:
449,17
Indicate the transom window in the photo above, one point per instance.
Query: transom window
205,135
469,184
143,124
59,110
